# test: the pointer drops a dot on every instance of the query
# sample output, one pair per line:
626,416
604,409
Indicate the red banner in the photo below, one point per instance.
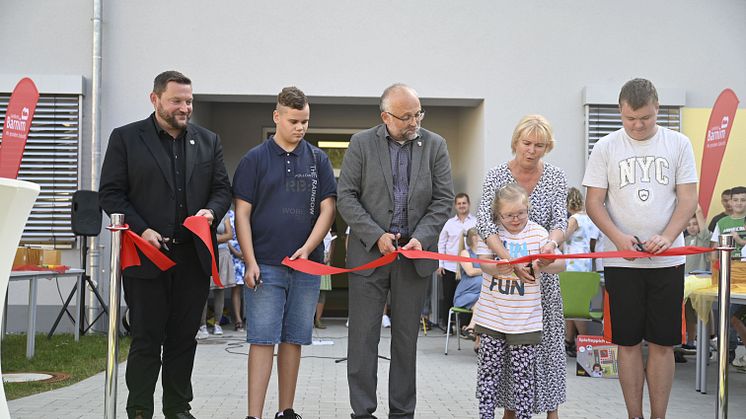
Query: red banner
129,257
200,227
315,268
18,117
718,131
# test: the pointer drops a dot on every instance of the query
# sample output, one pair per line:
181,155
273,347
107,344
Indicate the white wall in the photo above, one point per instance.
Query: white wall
519,57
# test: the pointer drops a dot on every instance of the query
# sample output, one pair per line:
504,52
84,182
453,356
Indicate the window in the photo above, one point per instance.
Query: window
51,160
602,112
605,119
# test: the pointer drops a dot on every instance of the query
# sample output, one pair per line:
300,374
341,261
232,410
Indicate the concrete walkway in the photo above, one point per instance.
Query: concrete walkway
445,385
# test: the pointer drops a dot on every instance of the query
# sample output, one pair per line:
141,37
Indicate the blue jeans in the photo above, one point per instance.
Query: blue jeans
282,308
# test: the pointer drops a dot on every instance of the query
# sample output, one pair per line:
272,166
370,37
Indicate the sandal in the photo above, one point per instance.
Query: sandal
238,327
468,333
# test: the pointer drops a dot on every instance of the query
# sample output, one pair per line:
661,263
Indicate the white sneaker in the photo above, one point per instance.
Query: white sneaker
347,323
386,321
217,330
202,333
740,361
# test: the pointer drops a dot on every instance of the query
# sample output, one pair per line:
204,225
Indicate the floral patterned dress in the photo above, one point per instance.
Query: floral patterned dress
548,208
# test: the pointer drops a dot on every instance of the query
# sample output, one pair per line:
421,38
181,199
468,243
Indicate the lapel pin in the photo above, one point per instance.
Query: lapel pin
191,142
419,143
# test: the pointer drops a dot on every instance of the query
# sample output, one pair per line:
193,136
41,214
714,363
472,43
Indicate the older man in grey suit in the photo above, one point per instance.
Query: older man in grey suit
394,190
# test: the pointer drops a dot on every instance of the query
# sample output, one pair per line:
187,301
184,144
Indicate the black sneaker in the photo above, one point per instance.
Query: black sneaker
287,414
678,357
570,349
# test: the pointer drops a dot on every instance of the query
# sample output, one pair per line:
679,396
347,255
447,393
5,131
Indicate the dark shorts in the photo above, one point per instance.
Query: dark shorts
644,304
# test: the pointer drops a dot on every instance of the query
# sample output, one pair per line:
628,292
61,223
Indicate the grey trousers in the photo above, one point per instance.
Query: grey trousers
367,296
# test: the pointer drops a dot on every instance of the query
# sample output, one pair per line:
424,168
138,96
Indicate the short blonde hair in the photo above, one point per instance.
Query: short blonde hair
512,192
536,126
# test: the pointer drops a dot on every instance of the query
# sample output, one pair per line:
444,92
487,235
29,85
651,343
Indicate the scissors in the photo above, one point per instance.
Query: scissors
639,246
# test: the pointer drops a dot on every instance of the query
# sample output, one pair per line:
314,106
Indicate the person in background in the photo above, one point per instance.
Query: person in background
698,236
227,274
469,277
326,280
734,224
725,200
580,233
239,269
450,240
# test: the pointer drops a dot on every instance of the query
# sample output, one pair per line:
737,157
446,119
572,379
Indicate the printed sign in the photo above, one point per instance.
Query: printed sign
16,127
716,138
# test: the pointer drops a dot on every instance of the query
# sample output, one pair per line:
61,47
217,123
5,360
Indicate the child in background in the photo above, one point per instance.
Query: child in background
580,232
508,314
697,235
469,277
239,269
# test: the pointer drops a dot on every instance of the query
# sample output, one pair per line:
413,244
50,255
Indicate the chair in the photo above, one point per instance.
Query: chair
454,312
578,289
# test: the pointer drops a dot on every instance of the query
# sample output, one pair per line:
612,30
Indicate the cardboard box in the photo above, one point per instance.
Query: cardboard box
21,257
50,257
596,357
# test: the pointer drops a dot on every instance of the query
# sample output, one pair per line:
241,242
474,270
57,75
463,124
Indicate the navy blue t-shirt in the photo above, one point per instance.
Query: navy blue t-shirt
285,191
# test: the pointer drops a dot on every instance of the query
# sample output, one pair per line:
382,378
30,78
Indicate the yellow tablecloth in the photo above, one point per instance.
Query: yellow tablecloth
702,293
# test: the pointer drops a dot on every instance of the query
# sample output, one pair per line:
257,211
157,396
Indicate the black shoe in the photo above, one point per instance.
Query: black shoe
181,415
287,414
678,357
570,349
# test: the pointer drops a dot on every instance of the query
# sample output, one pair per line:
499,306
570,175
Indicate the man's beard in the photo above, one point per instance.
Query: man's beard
411,135
171,120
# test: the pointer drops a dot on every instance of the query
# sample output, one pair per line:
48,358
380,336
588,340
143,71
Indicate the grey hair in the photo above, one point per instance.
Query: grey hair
384,105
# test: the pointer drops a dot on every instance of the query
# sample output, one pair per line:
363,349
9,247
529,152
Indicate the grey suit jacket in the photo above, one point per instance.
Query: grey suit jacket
365,196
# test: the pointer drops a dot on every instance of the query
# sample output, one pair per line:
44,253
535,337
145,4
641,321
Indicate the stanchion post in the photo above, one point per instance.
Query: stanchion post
725,247
115,282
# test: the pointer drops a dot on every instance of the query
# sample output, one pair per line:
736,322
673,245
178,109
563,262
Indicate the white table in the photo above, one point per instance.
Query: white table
703,353
33,278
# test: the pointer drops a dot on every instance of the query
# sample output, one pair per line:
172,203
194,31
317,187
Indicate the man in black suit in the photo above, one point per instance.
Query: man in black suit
157,172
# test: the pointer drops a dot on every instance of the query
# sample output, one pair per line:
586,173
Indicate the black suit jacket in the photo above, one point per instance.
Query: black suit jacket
136,181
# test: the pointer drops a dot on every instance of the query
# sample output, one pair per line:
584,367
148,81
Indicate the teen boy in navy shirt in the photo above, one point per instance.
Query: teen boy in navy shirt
285,196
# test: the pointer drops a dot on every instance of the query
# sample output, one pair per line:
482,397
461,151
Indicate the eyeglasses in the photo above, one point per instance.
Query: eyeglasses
519,216
419,116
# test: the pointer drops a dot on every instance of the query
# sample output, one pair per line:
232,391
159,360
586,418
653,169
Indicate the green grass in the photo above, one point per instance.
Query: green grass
60,354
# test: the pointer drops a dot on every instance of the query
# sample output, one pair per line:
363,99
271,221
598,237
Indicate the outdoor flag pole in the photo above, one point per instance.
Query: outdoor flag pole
724,249
115,282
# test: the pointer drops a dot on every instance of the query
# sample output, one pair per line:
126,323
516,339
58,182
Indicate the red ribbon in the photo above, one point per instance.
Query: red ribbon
199,226
128,254
314,268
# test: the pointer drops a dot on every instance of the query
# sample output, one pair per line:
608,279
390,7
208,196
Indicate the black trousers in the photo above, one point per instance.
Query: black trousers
448,287
165,313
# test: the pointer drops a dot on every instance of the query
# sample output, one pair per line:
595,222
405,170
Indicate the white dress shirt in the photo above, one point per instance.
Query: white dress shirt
452,232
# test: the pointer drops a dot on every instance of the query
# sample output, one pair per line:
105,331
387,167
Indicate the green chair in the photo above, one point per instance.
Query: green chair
454,312
578,289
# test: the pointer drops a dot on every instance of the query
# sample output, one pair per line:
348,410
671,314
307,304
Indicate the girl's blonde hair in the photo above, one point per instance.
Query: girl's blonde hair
512,192
575,201
464,243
